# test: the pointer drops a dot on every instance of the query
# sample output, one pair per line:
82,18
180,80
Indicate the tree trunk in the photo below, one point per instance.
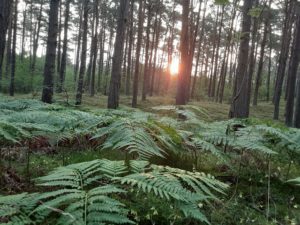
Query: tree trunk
115,81
83,52
93,75
239,106
292,73
5,14
129,55
261,61
5,17
297,110
62,72
285,43
137,56
36,37
184,49
76,67
147,54
213,89
13,53
49,69
24,33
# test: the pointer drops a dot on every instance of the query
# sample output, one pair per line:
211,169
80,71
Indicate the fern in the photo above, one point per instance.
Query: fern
93,193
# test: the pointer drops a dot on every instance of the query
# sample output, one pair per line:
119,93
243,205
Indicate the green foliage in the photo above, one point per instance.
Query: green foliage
93,192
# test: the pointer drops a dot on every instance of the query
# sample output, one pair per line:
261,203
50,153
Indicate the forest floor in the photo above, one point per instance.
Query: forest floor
216,111
245,203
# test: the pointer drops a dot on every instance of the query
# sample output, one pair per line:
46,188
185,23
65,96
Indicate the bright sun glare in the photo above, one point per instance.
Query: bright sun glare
174,67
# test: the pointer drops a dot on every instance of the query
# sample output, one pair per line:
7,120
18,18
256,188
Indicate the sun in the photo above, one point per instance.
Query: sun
174,67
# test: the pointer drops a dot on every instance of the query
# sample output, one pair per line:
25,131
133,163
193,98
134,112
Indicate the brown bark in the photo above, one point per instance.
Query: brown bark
115,82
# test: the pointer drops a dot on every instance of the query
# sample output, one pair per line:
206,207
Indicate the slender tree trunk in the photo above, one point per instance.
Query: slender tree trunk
62,72
253,50
94,63
36,37
13,55
137,56
129,55
23,33
239,106
269,65
147,54
115,81
285,43
5,17
58,58
261,61
83,53
292,73
214,82
184,49
101,57
9,47
76,67
49,69
297,110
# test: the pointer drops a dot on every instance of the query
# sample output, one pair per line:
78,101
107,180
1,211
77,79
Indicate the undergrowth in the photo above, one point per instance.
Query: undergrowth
162,153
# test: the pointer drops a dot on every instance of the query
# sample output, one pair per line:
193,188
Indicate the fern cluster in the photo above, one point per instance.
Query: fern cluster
95,193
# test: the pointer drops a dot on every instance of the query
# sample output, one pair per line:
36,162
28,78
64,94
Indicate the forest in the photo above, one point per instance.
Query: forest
168,112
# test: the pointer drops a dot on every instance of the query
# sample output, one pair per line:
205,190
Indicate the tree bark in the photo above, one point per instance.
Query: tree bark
5,16
115,81
83,53
292,74
13,54
137,56
261,61
239,106
285,43
184,50
62,72
49,69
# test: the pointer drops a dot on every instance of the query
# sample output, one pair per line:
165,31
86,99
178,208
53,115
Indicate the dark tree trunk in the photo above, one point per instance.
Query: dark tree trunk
83,53
297,110
285,43
115,81
184,49
147,55
223,73
239,106
137,55
13,53
76,67
93,75
9,47
252,57
23,33
157,35
101,58
292,73
129,55
5,14
62,72
49,69
36,37
214,82
269,65
261,61
58,58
